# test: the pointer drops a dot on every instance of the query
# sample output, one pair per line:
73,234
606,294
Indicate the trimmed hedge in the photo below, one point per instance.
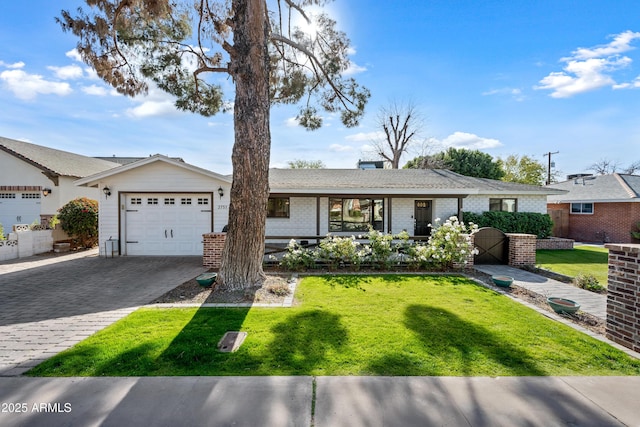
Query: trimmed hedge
513,222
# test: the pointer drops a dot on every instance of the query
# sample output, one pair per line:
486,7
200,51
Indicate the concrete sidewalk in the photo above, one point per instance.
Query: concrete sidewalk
590,302
321,401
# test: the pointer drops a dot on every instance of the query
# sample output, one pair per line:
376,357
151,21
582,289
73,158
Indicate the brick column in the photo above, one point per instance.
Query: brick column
522,249
213,247
623,295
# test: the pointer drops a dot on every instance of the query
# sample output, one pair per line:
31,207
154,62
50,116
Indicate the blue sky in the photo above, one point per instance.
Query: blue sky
506,77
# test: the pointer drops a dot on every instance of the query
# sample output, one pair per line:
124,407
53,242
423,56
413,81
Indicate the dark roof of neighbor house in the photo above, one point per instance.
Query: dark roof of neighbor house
55,162
598,188
392,181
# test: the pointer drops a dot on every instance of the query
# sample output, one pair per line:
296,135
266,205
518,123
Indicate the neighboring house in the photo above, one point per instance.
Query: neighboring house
35,181
602,208
160,206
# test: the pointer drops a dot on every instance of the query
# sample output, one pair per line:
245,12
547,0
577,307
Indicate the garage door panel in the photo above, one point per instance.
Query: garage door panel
171,224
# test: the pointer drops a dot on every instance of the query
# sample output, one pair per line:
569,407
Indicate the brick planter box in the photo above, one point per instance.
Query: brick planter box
554,243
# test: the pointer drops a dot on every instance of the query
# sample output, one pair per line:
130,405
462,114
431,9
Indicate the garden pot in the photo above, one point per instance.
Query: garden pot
563,305
502,281
206,279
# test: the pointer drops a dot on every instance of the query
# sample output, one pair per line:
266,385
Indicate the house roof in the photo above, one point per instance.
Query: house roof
599,188
392,181
354,181
127,160
54,162
93,180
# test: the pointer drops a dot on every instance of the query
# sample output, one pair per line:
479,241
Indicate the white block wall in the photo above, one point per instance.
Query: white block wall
526,203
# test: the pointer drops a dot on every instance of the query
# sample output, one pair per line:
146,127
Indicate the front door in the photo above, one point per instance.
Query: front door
422,218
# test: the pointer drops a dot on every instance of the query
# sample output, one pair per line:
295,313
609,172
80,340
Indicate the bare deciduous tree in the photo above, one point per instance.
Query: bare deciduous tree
401,126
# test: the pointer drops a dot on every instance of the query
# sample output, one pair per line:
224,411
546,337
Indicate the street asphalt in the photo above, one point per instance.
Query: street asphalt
49,303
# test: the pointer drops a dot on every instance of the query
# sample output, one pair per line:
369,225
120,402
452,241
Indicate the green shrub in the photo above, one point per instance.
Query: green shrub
2,237
79,219
514,222
588,282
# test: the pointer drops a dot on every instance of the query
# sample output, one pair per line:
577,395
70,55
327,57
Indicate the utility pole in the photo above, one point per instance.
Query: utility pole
549,154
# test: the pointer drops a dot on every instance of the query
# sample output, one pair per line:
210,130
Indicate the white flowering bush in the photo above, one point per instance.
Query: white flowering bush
297,258
448,246
337,251
450,243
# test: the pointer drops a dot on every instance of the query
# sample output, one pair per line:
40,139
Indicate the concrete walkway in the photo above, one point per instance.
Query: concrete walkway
321,401
590,302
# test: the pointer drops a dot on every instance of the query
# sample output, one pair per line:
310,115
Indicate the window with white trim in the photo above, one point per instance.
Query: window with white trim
582,208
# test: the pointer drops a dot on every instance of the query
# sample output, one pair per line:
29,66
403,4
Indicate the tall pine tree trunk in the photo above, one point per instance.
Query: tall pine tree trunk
241,265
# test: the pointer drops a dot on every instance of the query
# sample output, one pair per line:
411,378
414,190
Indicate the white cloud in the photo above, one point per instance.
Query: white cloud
469,141
591,68
68,72
94,90
291,122
73,54
515,93
340,148
28,86
630,85
365,136
152,109
621,43
13,66
354,69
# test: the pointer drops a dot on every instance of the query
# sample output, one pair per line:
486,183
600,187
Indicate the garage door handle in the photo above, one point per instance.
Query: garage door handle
165,234
172,233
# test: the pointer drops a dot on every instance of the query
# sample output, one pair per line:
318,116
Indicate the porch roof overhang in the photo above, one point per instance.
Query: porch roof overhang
371,192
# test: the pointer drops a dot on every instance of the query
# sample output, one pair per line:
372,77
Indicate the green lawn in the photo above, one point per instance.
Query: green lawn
580,260
349,325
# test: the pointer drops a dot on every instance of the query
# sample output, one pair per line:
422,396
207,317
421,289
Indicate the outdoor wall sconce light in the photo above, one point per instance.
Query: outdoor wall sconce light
106,191
46,191
221,191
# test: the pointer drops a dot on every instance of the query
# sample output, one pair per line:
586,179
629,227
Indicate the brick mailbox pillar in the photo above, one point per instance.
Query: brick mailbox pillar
522,249
213,247
623,295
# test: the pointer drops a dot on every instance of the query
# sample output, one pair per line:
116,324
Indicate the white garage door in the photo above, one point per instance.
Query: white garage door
166,224
19,208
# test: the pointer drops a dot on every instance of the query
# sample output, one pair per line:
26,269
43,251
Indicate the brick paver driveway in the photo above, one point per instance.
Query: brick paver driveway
48,304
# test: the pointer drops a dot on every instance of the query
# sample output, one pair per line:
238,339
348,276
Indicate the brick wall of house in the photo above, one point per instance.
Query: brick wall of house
610,222
213,247
623,295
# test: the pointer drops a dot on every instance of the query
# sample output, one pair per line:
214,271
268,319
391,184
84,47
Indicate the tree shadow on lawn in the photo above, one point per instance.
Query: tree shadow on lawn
453,346
295,346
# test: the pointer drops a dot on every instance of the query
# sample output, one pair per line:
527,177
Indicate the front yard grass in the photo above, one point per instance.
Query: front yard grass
349,325
580,260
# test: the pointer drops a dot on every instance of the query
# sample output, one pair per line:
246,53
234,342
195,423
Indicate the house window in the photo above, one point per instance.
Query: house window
278,207
356,214
503,205
582,208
